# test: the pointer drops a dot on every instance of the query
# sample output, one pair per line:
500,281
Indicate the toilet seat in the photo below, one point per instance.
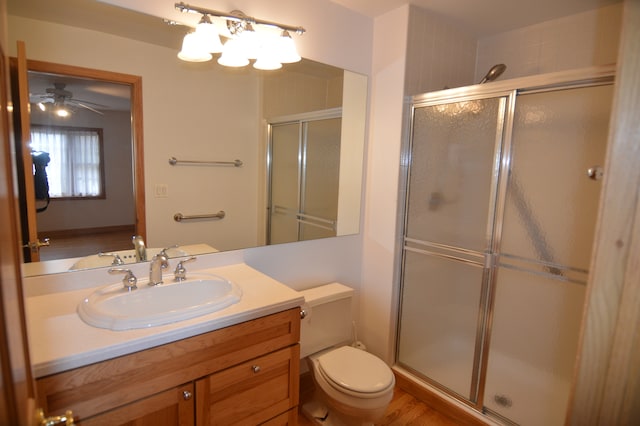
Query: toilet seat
356,372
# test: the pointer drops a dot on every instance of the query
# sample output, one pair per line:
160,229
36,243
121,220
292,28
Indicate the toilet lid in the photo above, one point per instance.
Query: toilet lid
356,370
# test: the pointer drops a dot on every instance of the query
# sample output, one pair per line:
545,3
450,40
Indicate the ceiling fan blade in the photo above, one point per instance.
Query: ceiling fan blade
94,104
80,104
40,96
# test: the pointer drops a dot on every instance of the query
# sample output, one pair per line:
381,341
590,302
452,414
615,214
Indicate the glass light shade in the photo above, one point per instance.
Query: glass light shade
268,57
41,106
207,37
287,51
62,112
267,62
250,42
233,55
192,50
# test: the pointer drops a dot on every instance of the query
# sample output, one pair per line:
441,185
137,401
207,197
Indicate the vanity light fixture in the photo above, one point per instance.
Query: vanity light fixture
248,38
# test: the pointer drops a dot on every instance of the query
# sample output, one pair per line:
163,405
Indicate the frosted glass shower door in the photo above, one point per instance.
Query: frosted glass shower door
319,206
547,235
453,174
304,179
284,183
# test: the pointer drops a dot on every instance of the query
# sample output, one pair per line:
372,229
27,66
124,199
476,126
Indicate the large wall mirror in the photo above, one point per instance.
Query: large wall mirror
191,113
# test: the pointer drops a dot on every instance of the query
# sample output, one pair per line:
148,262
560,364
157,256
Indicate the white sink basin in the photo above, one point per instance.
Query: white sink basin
127,256
115,308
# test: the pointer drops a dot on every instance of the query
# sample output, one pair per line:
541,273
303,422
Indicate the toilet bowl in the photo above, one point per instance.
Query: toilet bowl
356,385
353,387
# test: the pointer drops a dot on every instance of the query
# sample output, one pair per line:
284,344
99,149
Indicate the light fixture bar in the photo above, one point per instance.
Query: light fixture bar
235,16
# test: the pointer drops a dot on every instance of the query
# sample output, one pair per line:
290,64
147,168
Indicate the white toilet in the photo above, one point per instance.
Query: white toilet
353,387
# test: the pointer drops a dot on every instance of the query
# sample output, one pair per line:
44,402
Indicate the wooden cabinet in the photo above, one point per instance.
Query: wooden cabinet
244,374
249,393
173,407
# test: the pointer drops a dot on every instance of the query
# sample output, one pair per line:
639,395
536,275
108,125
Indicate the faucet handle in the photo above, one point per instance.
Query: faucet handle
181,272
116,258
129,281
164,250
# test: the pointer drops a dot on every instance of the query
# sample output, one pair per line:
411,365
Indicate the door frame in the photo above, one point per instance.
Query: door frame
17,400
135,84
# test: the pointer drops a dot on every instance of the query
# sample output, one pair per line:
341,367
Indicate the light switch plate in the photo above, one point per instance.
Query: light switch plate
161,190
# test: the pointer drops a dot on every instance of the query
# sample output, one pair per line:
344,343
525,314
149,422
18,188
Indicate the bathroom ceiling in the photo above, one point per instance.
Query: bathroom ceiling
480,17
484,17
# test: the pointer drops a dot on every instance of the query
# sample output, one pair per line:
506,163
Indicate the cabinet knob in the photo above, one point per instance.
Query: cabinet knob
255,368
186,395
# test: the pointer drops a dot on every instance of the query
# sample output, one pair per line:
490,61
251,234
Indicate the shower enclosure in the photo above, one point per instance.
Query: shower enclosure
304,168
502,191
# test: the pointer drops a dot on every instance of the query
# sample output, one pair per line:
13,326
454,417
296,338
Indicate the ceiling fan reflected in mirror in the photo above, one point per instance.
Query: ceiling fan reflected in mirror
61,102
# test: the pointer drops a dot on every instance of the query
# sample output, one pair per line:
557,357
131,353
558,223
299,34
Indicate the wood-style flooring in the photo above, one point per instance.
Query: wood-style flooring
64,245
404,410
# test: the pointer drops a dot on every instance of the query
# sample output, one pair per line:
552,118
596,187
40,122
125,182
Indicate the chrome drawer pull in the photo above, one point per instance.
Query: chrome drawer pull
255,368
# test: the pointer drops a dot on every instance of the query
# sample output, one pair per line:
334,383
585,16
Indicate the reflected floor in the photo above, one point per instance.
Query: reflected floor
69,244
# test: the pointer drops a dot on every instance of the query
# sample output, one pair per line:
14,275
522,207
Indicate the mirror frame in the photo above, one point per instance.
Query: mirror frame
137,139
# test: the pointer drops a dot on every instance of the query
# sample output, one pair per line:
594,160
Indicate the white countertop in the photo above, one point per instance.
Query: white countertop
59,340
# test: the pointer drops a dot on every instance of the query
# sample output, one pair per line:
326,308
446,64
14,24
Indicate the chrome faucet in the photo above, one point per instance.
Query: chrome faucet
141,250
158,263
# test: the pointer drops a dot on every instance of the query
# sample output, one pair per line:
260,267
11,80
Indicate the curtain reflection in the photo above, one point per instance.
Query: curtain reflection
75,169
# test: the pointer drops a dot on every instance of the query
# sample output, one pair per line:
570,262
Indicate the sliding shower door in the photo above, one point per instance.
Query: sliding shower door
304,172
284,183
319,195
448,229
557,153
501,204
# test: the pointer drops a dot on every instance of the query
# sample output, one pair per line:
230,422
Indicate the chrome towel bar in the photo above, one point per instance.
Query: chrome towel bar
236,163
179,217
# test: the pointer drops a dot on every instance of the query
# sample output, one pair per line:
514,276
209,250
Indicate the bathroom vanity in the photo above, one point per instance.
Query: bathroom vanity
239,365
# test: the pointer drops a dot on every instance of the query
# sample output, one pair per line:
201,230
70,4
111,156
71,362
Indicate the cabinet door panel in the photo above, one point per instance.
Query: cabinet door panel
252,392
168,408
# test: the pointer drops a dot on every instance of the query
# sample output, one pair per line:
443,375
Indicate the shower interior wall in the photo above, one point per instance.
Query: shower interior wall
440,54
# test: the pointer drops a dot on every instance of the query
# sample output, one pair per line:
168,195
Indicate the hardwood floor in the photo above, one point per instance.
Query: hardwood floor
404,410
66,244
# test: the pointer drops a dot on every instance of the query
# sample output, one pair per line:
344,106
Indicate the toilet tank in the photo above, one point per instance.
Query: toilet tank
329,318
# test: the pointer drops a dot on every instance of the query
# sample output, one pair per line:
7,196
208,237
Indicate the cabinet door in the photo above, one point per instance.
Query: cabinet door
252,392
173,407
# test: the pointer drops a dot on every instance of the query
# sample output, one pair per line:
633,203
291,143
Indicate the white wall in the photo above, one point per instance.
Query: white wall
377,299
439,53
